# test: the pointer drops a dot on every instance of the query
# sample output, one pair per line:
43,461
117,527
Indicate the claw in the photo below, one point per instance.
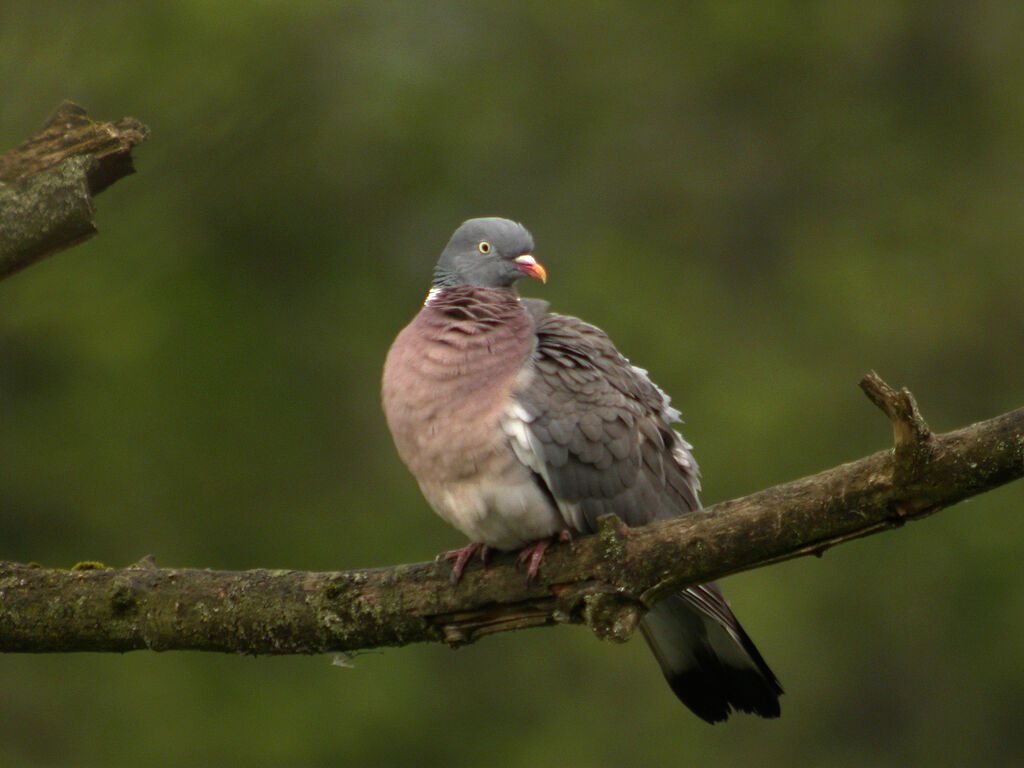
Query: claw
532,555
463,556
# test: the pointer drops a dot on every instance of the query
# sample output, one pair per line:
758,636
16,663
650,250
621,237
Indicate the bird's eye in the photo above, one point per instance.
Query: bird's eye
484,247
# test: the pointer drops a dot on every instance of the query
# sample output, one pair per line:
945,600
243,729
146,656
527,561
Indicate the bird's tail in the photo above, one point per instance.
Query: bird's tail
708,660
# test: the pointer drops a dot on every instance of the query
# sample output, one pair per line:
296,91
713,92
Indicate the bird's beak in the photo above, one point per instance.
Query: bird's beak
529,267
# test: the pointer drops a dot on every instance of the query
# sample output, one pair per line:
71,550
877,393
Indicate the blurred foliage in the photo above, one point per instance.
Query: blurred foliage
758,201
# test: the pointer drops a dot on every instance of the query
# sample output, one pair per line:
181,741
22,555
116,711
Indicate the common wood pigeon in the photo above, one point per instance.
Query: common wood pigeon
521,425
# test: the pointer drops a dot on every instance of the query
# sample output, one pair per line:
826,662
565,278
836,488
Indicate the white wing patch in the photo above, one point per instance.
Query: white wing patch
516,424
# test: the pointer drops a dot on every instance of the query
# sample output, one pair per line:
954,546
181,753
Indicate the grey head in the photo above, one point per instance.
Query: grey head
488,253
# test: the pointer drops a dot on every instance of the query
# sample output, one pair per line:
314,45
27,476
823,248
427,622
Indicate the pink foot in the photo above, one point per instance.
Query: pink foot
463,556
533,554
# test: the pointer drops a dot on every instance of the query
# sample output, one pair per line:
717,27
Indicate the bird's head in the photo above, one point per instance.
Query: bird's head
488,253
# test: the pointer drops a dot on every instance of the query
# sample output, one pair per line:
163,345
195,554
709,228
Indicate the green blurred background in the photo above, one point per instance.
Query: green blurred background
758,201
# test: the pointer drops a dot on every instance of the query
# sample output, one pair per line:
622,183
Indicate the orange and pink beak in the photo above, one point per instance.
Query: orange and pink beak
530,267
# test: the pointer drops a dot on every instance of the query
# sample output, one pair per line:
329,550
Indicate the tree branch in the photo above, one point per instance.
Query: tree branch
604,580
47,184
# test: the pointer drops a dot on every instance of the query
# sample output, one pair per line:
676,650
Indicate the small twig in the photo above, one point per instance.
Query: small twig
912,439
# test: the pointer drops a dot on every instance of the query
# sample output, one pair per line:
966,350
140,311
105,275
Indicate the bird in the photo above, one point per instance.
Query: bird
523,426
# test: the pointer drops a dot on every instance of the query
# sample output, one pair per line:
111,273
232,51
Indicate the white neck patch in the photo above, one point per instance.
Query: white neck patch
432,294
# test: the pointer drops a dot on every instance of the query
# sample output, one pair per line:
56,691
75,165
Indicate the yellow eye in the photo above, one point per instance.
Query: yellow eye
484,247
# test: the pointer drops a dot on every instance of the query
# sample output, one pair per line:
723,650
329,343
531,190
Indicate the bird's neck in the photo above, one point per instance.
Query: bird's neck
472,301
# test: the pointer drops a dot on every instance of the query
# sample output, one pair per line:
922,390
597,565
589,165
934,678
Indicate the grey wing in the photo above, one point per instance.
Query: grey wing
599,432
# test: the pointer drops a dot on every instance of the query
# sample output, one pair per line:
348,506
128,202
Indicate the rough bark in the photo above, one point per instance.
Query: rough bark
604,580
47,184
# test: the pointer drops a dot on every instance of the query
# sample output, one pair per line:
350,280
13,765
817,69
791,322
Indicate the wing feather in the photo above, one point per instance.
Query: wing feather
602,431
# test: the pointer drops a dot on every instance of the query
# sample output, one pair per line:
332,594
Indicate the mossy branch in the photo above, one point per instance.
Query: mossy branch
47,184
604,580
